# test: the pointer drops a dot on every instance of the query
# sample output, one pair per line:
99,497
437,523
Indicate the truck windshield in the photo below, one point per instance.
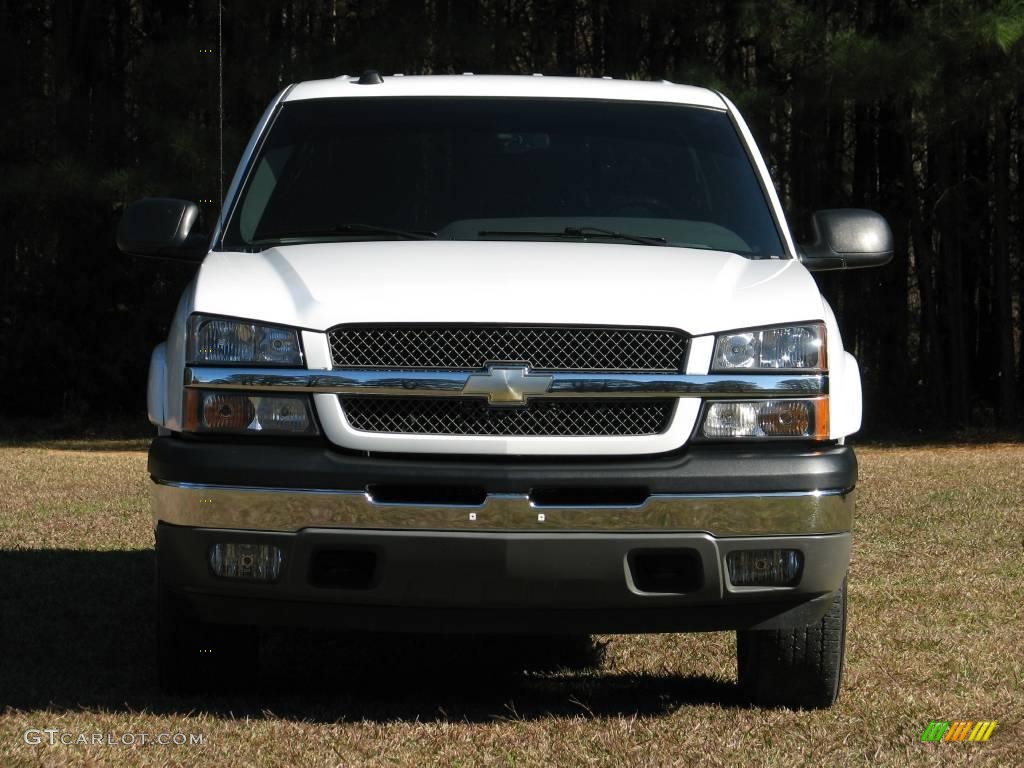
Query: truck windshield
503,169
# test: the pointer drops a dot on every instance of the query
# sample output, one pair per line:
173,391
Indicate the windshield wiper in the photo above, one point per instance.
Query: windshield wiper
346,229
576,233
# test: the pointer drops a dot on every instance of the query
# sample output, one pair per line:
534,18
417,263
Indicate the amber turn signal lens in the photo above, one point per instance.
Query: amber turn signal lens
785,418
234,412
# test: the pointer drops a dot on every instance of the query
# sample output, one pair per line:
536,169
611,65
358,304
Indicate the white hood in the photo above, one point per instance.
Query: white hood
319,285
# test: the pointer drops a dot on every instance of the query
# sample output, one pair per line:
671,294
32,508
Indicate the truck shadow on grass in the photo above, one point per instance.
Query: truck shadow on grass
77,631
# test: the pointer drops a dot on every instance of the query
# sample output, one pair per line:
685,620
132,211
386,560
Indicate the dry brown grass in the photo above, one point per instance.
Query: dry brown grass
936,619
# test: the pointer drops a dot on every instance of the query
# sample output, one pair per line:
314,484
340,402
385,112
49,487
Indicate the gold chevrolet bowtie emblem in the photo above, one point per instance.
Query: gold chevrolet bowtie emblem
507,385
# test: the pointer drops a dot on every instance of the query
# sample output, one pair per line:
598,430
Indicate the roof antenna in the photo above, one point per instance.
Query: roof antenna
220,92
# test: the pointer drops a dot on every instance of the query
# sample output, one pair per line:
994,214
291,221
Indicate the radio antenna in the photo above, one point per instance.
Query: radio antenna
220,93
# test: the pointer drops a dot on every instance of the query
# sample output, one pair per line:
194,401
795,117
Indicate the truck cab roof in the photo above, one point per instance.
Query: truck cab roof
511,86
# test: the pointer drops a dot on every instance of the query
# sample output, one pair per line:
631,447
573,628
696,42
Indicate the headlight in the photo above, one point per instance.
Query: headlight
244,414
226,341
789,347
769,419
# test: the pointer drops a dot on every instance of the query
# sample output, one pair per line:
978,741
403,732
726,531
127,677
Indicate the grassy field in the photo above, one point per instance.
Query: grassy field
936,618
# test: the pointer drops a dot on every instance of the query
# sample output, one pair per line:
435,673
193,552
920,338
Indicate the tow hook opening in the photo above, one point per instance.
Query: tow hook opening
444,495
343,568
666,571
621,496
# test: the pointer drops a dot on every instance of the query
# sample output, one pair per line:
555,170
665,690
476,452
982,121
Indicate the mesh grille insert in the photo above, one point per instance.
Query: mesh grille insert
540,347
473,416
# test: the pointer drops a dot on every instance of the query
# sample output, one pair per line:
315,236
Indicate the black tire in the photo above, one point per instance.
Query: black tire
195,656
801,667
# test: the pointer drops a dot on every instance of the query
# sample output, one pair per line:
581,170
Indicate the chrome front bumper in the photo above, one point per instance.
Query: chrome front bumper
289,510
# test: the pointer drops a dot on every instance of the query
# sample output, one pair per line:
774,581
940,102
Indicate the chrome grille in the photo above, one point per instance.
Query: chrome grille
473,416
470,347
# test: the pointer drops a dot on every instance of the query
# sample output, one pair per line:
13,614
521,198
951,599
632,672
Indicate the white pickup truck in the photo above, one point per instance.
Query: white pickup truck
504,354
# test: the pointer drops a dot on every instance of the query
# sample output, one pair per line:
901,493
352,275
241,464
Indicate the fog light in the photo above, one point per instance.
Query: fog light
257,562
765,567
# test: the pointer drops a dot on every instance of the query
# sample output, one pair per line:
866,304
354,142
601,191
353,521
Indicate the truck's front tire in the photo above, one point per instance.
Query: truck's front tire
800,667
194,656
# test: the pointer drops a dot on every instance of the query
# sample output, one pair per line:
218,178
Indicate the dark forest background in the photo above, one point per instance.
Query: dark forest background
915,109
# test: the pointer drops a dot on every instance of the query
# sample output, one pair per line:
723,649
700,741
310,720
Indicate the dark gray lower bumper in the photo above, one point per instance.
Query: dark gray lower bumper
499,581
699,469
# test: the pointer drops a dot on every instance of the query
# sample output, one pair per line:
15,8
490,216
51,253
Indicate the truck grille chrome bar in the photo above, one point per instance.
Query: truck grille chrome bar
418,383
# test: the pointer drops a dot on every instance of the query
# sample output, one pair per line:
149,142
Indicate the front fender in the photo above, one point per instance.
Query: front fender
156,389
845,398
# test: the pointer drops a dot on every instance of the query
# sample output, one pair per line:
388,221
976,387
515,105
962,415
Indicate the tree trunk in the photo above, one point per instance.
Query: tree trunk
1001,255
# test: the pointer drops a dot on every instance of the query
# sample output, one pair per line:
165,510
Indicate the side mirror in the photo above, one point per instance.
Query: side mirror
847,238
162,228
